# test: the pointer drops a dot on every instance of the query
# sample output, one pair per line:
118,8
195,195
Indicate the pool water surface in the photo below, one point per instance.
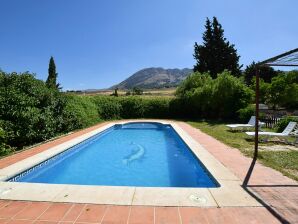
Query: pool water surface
133,154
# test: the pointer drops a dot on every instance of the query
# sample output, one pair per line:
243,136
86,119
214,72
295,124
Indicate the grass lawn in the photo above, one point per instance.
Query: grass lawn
284,161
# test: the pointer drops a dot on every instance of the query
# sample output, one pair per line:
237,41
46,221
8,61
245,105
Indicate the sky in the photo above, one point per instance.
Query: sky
98,43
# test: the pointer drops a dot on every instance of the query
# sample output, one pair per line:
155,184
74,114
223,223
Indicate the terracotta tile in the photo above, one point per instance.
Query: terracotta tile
55,212
11,209
141,215
191,215
166,215
33,210
73,213
3,203
92,213
217,215
20,222
116,214
45,222
2,221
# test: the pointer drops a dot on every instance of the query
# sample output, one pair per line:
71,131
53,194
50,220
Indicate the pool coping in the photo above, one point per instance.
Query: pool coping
230,192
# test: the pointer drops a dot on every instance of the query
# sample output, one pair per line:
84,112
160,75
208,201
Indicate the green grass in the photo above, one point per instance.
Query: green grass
284,161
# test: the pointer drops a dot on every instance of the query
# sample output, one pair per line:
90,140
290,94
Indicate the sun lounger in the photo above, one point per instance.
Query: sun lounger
250,124
286,133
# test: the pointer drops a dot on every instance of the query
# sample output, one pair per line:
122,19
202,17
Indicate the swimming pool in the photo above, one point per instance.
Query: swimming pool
134,154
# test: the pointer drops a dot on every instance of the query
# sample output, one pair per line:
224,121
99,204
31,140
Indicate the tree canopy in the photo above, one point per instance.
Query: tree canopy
216,54
52,75
265,72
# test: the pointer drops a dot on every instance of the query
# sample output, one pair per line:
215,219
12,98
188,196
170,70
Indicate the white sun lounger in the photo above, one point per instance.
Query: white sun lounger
250,124
286,133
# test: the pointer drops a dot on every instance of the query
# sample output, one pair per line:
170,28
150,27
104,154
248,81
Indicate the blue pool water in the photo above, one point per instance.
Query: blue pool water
134,154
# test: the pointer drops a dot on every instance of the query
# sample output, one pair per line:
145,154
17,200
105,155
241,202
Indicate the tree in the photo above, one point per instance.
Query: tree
52,75
216,54
137,91
283,90
265,72
115,93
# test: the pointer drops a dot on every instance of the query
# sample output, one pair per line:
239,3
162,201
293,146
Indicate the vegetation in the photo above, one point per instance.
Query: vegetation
30,112
266,73
52,76
281,92
137,91
216,54
284,161
218,98
282,123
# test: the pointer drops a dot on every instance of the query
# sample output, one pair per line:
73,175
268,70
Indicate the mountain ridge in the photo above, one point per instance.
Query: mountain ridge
154,77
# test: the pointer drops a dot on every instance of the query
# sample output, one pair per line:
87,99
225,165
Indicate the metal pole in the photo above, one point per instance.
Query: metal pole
249,172
257,113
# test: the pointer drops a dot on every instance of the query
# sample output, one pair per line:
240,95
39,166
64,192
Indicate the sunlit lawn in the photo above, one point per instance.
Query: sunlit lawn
283,161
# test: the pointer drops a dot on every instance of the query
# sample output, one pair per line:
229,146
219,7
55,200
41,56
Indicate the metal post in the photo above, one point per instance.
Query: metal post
249,172
257,114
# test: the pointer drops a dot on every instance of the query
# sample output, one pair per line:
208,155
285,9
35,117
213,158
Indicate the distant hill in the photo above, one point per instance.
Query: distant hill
151,78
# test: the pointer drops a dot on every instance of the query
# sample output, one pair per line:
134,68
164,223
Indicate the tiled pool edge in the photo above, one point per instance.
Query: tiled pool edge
229,194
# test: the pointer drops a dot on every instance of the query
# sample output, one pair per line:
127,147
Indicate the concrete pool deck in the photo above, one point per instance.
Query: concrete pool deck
277,191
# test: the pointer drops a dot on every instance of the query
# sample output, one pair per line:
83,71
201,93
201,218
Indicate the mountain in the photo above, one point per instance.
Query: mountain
151,78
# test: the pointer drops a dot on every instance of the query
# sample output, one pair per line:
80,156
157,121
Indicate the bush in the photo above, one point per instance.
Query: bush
4,148
282,123
218,98
29,110
108,107
283,90
81,112
229,95
132,107
244,114
157,107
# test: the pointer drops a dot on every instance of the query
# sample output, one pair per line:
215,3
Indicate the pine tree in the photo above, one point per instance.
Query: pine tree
216,53
52,75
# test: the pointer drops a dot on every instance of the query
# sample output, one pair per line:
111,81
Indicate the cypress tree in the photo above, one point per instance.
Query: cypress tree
216,53
52,75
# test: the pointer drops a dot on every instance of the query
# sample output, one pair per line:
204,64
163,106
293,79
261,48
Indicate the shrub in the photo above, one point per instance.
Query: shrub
244,114
4,148
229,95
30,111
132,107
81,111
218,98
283,90
282,123
108,107
156,107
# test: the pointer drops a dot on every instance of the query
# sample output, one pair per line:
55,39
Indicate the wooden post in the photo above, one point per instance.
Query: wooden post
249,172
257,113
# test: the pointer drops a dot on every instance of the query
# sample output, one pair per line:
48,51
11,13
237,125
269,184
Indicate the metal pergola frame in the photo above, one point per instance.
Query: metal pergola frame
289,58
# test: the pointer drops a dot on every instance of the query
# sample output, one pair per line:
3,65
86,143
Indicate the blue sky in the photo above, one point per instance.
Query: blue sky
98,43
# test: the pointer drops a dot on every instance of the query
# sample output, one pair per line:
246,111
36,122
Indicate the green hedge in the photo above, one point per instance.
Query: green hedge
110,107
29,111
282,123
222,97
82,111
